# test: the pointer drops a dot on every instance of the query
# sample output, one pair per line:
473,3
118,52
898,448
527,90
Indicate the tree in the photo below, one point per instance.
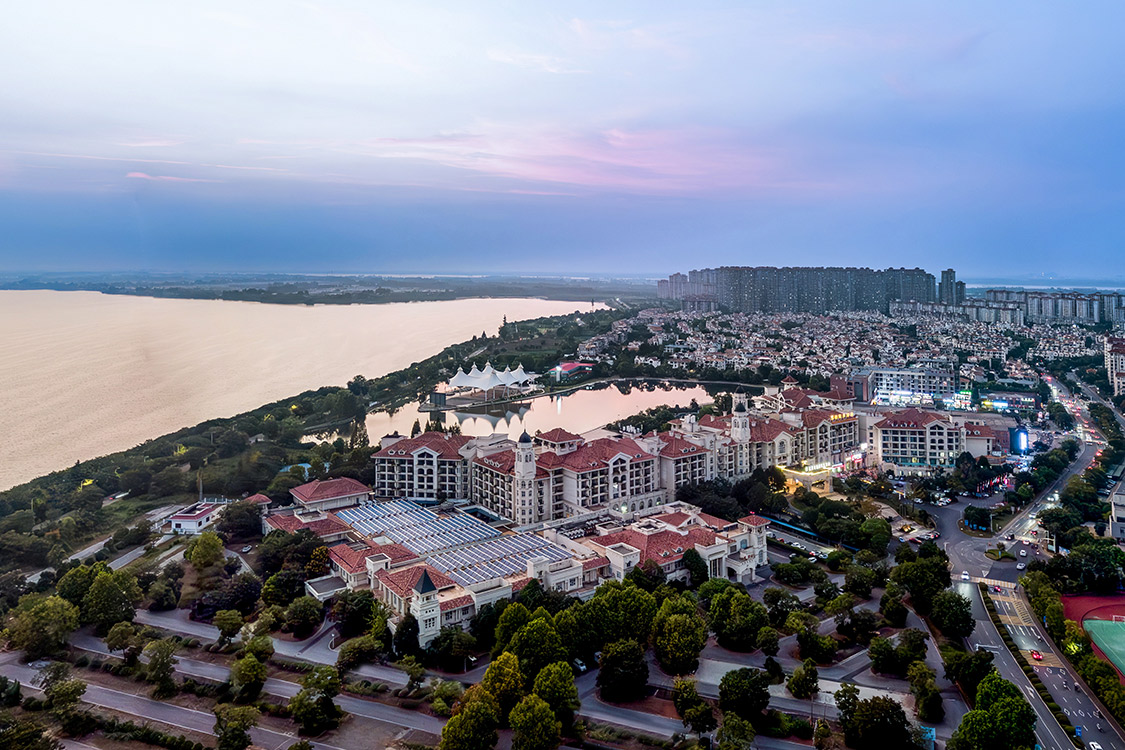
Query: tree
768,640
678,635
736,733
923,578
623,676
206,550
804,683
414,670
451,649
229,622
247,677
536,645
696,567
233,724
695,712
362,650
621,611
41,626
878,722
780,604
261,647
353,612
534,726
123,637
241,520
283,587
406,637
303,615
744,692
112,598
61,689
161,666
472,728
968,670
504,681
317,565
737,619
514,617
859,581
312,707
953,614
25,735
555,684
77,581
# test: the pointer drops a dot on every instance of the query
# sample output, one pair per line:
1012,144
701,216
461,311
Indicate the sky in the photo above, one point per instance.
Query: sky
578,137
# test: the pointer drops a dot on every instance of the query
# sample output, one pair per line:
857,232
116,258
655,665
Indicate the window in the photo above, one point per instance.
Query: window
429,623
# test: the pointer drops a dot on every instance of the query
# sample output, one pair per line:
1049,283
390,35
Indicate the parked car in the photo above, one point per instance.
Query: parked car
964,575
1023,553
579,666
1021,566
247,548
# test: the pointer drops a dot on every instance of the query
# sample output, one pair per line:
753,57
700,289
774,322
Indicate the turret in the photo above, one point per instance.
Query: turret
740,417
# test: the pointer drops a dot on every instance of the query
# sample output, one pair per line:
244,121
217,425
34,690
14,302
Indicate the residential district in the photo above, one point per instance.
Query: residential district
864,541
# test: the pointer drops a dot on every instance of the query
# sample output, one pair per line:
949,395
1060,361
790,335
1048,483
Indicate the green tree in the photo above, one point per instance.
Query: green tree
229,622
362,650
317,565
313,708
513,619
241,520
247,677
61,689
927,695
161,666
206,550
233,724
76,582
695,712
953,614
879,722
504,681
124,637
414,670
353,612
623,676
968,670
22,734
112,598
41,626
621,611
303,616
555,684
536,645
678,635
534,726
744,692
260,647
696,567
847,701
472,728
406,637
737,619
768,640
804,683
736,733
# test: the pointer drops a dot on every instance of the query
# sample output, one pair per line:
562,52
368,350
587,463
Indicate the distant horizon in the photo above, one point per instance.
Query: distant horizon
448,137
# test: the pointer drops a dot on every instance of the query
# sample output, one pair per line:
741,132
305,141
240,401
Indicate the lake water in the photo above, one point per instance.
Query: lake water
578,411
84,374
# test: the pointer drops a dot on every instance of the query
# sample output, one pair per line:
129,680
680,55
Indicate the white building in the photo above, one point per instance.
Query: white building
194,519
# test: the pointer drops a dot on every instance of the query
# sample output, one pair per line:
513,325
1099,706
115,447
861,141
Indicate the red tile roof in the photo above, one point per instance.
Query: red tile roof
456,603
594,563
519,583
355,560
322,527
402,581
504,462
260,499
445,446
557,435
598,453
329,489
673,519
678,448
661,546
753,520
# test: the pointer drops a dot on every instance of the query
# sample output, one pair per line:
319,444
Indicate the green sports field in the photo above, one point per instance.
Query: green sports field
1109,636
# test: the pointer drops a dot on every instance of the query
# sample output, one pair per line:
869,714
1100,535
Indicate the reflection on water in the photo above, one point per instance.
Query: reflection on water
577,411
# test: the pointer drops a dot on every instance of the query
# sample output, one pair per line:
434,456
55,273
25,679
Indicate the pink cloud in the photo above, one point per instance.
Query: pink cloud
164,178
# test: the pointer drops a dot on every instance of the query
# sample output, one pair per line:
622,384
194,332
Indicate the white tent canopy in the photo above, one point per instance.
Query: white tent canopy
489,378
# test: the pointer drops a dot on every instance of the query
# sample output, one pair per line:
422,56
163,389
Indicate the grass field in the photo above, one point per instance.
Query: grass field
1109,637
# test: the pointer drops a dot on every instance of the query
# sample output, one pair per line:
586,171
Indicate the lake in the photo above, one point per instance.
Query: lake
84,374
577,411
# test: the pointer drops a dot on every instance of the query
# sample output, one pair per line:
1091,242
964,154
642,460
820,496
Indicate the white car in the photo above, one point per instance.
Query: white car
1020,566
964,575
1095,746
1023,553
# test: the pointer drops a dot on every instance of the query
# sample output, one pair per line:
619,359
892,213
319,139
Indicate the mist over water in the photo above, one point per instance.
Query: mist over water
84,374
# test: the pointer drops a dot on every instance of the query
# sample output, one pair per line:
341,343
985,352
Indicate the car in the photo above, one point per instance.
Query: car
1095,746
579,666
821,555
1036,656
1023,553
997,589
902,539
1034,532
964,575
247,548
1021,566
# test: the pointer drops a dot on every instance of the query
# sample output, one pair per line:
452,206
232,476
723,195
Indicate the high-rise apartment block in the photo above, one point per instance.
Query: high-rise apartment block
807,290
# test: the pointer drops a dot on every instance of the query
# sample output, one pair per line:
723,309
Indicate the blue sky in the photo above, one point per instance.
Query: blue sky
628,137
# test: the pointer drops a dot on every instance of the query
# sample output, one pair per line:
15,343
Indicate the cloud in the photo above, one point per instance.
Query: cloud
546,63
165,178
152,143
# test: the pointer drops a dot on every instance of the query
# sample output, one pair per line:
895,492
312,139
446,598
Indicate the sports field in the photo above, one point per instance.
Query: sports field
1109,637
1096,615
